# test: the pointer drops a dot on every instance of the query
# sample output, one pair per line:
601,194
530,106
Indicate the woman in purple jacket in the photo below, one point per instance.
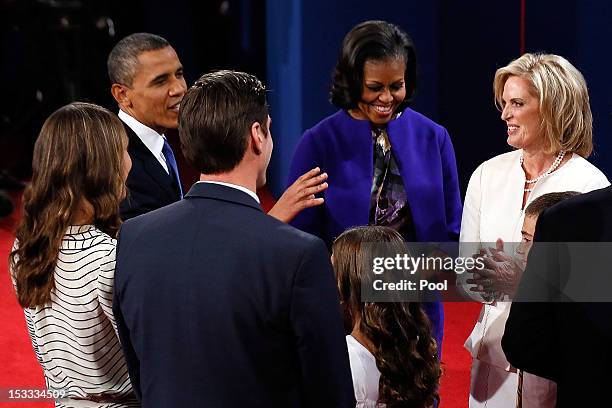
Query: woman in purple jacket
387,164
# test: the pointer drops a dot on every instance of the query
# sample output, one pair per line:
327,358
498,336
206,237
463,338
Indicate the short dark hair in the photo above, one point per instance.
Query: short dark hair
122,61
371,41
215,117
535,208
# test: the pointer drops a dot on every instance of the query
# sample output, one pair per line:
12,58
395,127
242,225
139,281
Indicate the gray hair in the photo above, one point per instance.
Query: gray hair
122,61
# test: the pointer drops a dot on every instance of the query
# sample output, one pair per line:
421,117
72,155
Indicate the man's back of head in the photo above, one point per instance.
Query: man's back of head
224,128
217,303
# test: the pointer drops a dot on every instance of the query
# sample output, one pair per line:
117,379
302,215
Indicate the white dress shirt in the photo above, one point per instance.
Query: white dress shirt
236,186
153,140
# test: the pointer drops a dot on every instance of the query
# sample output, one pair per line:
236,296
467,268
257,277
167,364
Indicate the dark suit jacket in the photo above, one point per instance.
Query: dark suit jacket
149,186
566,342
220,305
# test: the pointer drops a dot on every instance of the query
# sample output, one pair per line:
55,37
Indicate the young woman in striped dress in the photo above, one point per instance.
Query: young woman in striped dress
63,260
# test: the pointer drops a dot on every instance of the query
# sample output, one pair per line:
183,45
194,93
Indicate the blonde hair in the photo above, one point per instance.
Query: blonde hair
567,122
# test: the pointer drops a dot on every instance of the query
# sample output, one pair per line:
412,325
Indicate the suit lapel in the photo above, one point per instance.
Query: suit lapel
149,163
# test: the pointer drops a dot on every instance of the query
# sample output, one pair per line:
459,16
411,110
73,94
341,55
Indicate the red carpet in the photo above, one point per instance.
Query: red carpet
459,320
19,368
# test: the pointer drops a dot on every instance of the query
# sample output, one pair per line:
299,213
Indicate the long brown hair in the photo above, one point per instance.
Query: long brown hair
78,156
404,348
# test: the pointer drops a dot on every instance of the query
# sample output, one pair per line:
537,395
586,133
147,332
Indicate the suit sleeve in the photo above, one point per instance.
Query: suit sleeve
136,203
529,340
316,321
129,210
452,195
133,363
305,158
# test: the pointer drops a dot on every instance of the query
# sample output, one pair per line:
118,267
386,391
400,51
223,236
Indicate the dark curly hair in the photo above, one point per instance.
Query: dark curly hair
404,347
371,41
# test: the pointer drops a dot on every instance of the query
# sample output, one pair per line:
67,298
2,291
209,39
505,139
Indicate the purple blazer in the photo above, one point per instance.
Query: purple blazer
343,147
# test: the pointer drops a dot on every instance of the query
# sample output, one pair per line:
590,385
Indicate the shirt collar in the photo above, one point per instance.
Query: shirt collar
153,140
236,186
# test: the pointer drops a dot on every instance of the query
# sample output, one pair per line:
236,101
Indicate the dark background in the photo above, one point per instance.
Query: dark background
54,52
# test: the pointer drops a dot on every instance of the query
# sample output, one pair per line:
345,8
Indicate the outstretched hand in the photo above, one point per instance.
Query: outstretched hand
300,195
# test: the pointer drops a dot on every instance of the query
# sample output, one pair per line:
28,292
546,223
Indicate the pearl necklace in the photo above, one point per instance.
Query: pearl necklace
552,168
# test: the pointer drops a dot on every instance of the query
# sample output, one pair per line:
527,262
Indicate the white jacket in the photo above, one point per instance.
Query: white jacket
492,210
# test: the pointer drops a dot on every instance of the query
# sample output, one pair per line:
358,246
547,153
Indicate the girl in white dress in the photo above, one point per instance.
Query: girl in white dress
392,351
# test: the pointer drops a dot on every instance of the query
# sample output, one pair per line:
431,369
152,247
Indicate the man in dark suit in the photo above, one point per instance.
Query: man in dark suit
561,339
148,85
218,304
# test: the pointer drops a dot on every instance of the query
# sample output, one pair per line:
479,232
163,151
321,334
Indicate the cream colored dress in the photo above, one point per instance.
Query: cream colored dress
492,210
365,374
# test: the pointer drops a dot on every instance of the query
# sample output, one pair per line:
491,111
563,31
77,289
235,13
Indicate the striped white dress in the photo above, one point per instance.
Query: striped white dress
75,336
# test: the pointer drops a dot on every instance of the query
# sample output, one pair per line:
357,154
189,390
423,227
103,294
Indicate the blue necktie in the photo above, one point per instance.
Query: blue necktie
171,162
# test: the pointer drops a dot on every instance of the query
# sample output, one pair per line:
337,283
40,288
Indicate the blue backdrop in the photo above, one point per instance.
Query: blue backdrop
459,47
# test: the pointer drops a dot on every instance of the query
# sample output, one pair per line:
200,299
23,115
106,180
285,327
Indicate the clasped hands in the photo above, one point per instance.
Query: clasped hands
501,273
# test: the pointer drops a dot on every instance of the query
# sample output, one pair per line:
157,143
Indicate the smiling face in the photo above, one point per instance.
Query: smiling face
521,112
157,90
383,90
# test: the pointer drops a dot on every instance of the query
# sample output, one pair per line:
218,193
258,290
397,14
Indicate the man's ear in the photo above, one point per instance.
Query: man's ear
256,138
121,95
